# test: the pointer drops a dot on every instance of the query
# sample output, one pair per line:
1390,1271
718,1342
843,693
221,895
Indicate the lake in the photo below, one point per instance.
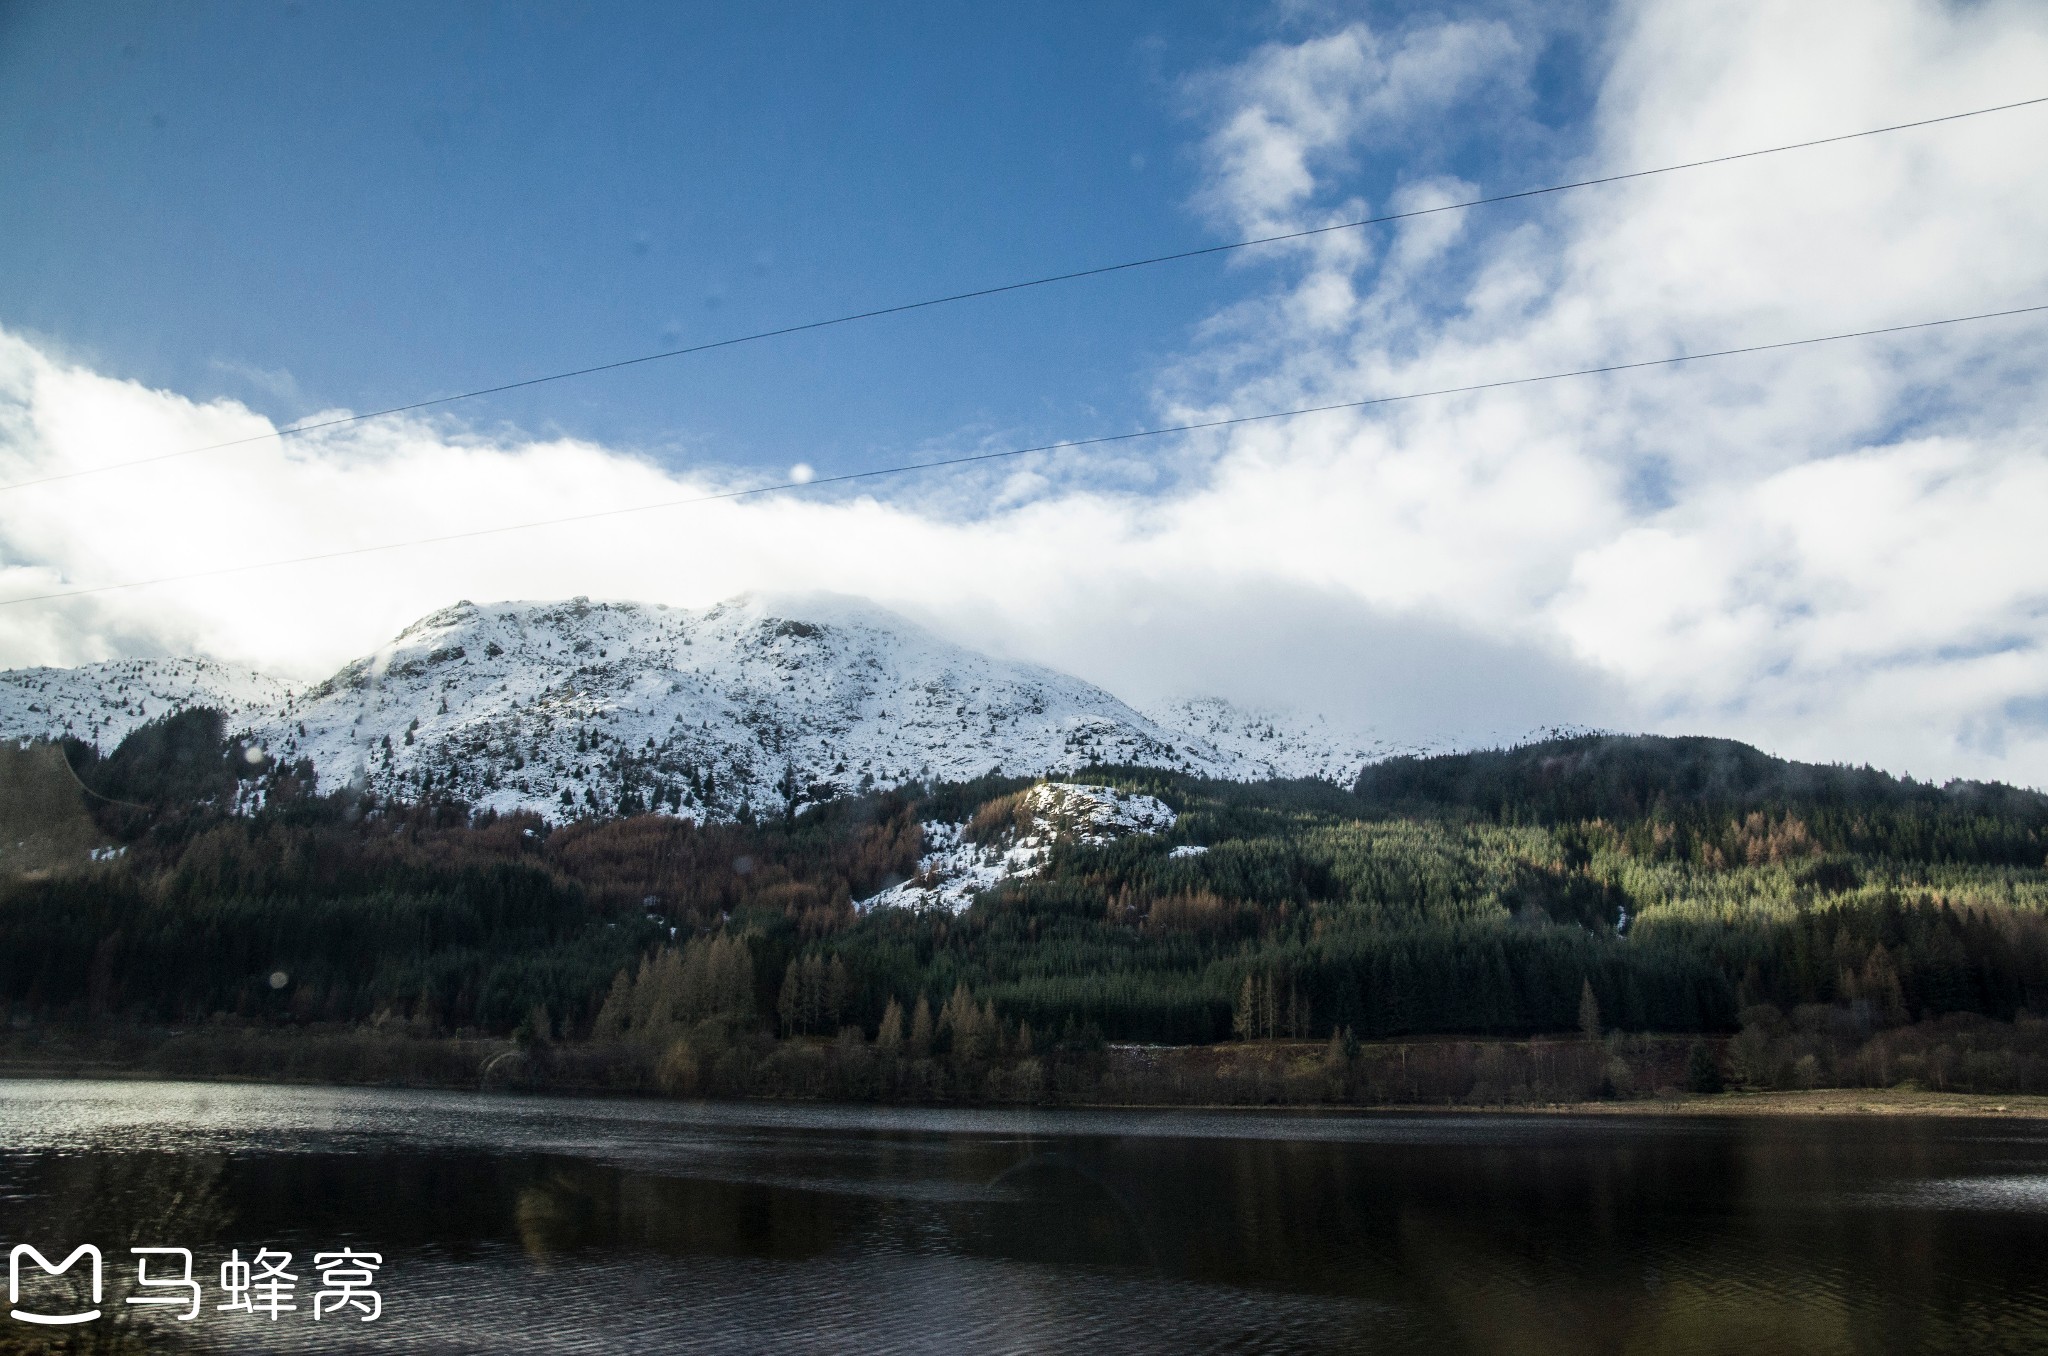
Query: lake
508,1224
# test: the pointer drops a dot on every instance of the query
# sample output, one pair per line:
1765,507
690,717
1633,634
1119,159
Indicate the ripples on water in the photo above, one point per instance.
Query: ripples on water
530,1225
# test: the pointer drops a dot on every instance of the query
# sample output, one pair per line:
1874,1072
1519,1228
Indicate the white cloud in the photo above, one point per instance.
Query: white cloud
1830,551
1295,112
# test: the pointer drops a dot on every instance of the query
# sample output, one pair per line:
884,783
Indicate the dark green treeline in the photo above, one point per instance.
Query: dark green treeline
1679,881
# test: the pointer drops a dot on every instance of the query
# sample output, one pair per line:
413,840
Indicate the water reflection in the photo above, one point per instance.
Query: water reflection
526,1225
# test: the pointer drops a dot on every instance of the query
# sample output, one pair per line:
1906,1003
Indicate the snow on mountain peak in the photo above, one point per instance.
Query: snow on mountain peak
1262,744
101,703
759,704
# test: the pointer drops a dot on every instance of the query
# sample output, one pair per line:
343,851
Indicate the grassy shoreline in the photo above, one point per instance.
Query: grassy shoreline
1444,1074
1817,1102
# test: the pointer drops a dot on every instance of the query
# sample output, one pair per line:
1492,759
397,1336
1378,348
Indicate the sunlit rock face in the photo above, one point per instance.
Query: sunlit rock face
959,864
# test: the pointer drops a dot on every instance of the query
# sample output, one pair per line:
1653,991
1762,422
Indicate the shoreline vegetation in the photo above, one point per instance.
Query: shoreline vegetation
1594,920
1612,1075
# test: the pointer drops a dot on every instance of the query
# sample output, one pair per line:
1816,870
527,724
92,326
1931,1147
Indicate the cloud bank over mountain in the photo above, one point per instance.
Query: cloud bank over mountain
1831,552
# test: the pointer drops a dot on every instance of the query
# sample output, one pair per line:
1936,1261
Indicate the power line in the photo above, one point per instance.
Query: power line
971,458
982,292
65,758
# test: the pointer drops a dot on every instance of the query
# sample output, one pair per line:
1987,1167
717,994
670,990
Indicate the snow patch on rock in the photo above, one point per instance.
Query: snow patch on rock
1093,815
954,870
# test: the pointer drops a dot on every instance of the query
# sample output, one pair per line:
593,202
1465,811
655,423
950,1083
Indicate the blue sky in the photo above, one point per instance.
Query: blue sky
313,206
217,218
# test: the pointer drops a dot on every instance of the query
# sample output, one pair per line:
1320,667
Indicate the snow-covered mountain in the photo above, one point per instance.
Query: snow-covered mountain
574,707
100,703
1263,744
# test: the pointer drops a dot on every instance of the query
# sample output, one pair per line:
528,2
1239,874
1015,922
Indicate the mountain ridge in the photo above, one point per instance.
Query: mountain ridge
759,703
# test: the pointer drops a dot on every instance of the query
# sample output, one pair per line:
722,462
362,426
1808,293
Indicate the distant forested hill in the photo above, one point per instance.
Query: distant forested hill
1686,792
1678,881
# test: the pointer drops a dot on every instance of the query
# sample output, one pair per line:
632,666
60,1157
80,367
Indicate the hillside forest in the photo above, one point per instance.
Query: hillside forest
1598,884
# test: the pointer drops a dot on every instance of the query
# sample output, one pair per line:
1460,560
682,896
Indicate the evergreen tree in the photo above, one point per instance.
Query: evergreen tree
921,1029
1244,1017
889,1036
789,1002
617,1012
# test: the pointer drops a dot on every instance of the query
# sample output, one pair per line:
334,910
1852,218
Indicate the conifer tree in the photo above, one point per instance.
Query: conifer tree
921,1029
735,980
1880,984
973,1027
812,995
1297,1011
838,983
1244,1018
617,1011
789,1003
889,1037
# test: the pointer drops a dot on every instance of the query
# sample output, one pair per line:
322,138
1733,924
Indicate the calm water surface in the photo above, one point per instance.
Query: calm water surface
528,1225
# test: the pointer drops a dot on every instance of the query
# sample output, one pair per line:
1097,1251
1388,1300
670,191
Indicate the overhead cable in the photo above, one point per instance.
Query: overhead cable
1006,453
979,293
